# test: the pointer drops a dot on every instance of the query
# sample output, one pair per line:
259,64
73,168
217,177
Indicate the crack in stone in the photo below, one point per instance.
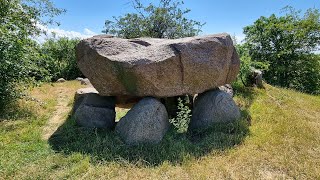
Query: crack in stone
141,42
178,52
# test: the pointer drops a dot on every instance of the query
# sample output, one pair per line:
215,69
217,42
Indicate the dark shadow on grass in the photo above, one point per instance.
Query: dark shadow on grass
106,146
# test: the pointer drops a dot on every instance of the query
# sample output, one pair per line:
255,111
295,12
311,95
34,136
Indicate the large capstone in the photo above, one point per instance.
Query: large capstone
158,67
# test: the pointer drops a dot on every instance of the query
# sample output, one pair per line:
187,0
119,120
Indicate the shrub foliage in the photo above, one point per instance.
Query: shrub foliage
182,120
58,58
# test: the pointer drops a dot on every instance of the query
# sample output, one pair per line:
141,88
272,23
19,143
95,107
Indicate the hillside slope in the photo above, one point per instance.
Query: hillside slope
278,137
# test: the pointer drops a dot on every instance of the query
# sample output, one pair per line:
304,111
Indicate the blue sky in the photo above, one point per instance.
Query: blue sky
85,18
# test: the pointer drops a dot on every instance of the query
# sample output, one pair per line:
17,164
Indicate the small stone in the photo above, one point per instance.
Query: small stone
85,81
61,80
258,78
79,78
227,88
255,78
212,107
147,122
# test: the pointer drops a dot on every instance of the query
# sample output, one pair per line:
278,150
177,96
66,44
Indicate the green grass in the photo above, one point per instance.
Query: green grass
120,113
277,138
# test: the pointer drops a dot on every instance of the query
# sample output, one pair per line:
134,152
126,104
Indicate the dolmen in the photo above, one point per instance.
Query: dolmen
151,70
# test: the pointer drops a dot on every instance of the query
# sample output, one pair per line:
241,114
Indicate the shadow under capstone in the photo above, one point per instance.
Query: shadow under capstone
106,146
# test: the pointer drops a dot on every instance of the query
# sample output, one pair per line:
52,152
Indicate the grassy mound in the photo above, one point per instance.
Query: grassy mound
278,137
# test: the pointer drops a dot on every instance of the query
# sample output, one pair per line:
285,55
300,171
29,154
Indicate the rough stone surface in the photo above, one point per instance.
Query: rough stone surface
146,122
95,100
92,110
211,107
80,95
158,67
95,117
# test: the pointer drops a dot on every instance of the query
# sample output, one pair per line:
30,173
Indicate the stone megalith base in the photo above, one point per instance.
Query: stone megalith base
212,107
146,123
132,70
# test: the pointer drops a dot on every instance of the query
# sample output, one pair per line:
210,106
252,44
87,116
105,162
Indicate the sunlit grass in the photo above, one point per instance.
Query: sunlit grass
120,112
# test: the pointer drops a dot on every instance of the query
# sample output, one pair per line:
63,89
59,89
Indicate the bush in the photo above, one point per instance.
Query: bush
58,58
182,119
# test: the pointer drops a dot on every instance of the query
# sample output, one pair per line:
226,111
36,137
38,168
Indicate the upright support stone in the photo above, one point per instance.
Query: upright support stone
94,111
95,117
212,107
147,122
80,95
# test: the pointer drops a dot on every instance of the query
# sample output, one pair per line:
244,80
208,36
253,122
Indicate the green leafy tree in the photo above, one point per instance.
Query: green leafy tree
286,43
19,21
166,20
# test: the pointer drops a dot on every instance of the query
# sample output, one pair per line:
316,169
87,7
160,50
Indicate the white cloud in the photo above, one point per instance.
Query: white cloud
89,32
240,38
58,33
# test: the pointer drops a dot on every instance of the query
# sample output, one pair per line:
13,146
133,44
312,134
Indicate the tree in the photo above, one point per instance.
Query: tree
167,20
287,43
19,21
